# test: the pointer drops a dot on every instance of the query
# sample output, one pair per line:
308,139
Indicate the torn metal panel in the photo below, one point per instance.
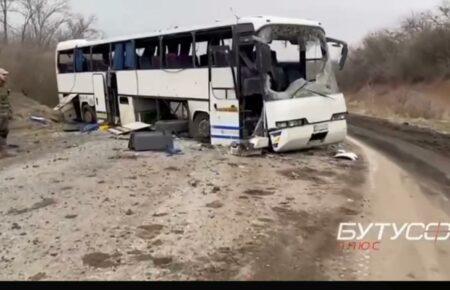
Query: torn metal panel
65,102
128,128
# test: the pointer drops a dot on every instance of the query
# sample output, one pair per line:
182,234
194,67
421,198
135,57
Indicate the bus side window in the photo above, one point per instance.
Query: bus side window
201,56
125,56
82,59
178,52
222,55
65,62
118,63
130,55
100,58
219,39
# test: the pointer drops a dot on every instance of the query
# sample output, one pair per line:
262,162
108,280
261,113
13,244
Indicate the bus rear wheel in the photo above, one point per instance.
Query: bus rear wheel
89,115
202,127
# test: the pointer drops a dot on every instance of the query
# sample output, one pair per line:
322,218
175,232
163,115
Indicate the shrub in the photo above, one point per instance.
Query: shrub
417,51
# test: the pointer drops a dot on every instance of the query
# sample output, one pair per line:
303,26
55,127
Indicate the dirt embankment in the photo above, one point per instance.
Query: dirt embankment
425,105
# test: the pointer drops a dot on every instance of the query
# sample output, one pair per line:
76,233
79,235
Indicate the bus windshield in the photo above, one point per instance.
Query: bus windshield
301,65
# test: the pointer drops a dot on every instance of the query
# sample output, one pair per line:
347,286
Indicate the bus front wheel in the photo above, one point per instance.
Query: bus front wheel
89,115
202,126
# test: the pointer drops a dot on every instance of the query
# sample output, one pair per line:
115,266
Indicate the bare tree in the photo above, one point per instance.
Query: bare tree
6,6
43,19
444,8
80,27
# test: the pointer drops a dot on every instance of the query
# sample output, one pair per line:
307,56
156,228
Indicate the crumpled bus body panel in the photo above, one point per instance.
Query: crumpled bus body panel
317,127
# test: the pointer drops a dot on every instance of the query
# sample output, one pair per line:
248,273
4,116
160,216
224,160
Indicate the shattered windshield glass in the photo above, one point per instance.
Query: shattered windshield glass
301,65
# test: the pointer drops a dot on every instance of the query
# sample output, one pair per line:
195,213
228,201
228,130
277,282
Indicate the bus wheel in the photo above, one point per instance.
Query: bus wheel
89,115
202,126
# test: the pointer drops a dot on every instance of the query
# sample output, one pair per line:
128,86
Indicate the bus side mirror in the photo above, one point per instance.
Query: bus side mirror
344,52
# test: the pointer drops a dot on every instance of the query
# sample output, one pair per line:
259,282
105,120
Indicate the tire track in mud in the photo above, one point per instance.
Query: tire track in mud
422,152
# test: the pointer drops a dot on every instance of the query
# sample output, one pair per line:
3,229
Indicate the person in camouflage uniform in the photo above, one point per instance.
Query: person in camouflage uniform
5,110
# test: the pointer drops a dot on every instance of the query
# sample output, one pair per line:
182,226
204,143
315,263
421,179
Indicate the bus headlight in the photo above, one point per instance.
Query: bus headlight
282,125
339,117
291,124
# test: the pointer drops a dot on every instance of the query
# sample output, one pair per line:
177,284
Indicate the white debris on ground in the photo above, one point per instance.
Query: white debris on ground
342,154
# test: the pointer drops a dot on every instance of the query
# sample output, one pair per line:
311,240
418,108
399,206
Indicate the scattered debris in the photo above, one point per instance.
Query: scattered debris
67,100
39,120
150,141
174,150
342,154
245,150
90,128
129,128
104,128
260,142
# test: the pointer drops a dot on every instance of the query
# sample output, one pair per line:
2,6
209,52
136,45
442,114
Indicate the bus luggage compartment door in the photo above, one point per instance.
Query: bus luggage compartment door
225,127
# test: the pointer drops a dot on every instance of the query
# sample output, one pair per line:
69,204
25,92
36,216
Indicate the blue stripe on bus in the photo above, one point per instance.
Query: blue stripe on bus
225,137
226,128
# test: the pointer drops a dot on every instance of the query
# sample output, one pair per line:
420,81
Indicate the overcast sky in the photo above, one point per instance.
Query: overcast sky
349,20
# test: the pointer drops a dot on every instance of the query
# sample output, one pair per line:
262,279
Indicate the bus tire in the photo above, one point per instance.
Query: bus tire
89,115
201,127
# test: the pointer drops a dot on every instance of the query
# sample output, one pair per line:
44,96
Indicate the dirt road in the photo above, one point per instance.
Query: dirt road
81,207
408,183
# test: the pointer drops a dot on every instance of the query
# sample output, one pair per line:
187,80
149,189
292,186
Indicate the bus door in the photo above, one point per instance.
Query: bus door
99,84
224,105
112,104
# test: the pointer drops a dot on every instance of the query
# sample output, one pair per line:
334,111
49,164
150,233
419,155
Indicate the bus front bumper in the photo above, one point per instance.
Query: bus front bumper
309,136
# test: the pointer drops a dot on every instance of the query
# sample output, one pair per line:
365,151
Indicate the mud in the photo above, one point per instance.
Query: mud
423,152
258,192
149,232
216,204
101,260
39,205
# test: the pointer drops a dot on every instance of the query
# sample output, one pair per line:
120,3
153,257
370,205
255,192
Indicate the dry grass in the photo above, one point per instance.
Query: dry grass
423,104
32,71
403,73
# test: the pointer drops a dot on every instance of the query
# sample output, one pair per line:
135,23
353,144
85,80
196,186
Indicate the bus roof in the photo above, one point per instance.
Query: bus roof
257,21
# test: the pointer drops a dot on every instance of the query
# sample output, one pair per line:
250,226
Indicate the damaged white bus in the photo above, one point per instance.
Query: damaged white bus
264,80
